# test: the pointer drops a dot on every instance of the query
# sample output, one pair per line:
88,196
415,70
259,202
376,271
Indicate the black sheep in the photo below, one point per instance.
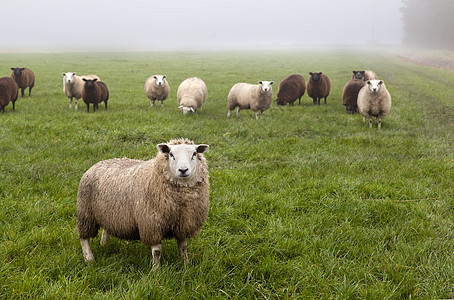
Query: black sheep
95,92
8,92
25,78
350,94
318,87
290,89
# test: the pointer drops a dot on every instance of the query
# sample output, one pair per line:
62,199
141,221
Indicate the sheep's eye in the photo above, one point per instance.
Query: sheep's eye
194,155
171,155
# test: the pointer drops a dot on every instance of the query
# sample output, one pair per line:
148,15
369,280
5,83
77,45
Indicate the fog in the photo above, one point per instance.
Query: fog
197,24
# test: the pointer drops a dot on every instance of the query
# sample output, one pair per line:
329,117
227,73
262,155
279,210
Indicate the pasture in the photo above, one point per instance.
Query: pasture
307,201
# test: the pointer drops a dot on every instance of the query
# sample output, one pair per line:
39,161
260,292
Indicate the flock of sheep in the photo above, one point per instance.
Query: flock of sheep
364,93
168,196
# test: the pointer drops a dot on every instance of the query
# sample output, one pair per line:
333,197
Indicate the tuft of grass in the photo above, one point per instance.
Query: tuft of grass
307,201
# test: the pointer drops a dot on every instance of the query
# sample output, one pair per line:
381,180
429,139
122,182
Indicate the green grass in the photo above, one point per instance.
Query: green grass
305,202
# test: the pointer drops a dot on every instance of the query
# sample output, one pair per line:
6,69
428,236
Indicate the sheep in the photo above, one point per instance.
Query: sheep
350,94
257,97
157,88
25,78
374,100
73,85
290,89
165,197
9,91
364,75
191,95
318,87
95,92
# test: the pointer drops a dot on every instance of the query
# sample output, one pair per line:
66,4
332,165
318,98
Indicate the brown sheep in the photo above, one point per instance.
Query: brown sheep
318,87
95,92
350,94
290,89
9,91
25,78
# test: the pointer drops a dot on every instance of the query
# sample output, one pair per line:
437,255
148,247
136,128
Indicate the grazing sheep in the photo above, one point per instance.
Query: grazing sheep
318,87
364,75
24,78
290,89
73,85
350,94
165,197
157,88
191,95
9,91
374,100
95,92
257,97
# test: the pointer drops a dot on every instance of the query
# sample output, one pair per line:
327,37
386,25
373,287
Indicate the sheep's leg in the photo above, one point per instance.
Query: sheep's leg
182,245
104,237
314,100
152,102
88,255
29,91
22,92
162,103
71,102
228,114
318,100
325,100
238,111
370,122
76,101
379,123
88,107
257,115
156,252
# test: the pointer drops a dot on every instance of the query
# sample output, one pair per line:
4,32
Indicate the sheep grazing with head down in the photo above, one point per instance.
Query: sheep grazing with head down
165,197
95,92
257,97
73,85
9,91
350,94
364,75
290,89
318,87
157,88
191,95
25,78
374,100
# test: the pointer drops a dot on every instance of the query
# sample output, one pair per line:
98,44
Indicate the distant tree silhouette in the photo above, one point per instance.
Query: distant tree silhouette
428,23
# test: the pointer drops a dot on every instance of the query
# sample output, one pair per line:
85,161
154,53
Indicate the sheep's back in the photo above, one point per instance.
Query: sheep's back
194,88
291,88
26,80
351,91
9,90
241,94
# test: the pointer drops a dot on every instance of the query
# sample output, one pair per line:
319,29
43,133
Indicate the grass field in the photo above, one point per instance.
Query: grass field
305,202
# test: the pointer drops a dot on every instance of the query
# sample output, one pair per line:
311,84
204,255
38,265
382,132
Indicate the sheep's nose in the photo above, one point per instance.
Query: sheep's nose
183,171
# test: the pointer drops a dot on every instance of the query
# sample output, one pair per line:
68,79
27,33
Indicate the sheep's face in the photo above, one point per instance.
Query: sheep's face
186,110
358,75
266,86
89,83
17,71
69,77
280,102
183,159
316,76
374,85
159,79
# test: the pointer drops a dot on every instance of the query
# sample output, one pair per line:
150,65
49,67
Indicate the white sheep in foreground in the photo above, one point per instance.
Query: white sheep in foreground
157,88
257,97
374,100
73,85
165,197
191,95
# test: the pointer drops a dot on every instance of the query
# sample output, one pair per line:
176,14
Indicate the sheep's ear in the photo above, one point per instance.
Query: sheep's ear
368,82
64,74
192,109
163,148
164,76
154,76
84,79
320,73
202,148
74,73
180,107
310,73
354,72
260,82
12,69
272,82
380,82
94,80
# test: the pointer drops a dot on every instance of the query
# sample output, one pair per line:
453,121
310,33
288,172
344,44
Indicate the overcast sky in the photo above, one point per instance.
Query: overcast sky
150,24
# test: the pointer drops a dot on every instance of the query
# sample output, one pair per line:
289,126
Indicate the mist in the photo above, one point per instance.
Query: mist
199,24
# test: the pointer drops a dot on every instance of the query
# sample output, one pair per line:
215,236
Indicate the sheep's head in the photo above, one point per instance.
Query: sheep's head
159,79
186,109
89,83
266,86
374,85
280,102
69,77
184,160
17,71
316,76
358,74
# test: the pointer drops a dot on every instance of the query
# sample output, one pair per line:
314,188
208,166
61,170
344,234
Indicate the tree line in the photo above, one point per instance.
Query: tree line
428,23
